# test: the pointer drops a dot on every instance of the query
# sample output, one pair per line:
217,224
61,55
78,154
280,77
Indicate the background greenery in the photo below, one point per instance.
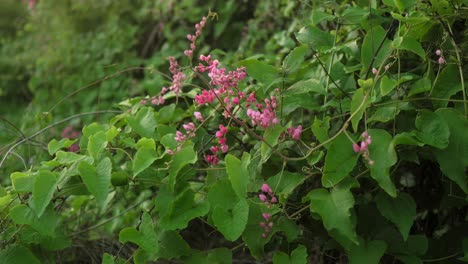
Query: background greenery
71,63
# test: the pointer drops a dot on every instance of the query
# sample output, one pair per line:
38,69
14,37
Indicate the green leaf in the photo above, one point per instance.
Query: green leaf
97,179
238,173
453,160
231,222
22,182
18,254
271,136
180,159
339,161
367,252
96,144
166,114
319,16
371,41
223,200
143,122
146,238
172,245
432,129
290,229
358,106
447,85
55,145
315,38
145,155
260,71
384,114
298,256
44,187
294,59
404,205
354,15
420,86
387,85
284,183
181,210
214,256
383,154
335,208
68,158
46,224
403,4
303,87
409,44
107,259
320,128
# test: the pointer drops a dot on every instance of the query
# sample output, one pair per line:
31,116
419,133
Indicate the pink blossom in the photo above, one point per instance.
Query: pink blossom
262,197
356,148
198,116
266,216
295,133
438,52
441,60
375,71
266,188
273,200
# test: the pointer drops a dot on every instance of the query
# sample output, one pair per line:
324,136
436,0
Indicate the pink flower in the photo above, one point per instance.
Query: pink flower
295,133
198,116
441,60
438,52
356,148
266,188
266,216
262,197
375,71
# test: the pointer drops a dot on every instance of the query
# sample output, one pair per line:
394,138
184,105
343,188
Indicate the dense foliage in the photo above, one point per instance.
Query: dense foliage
175,132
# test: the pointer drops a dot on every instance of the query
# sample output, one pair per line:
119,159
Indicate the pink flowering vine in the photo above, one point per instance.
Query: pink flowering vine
268,198
363,147
295,132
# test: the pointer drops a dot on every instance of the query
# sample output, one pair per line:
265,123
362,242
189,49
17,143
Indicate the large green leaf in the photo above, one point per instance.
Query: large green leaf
97,179
432,129
172,245
55,145
214,256
335,208
96,144
18,254
298,256
238,173
447,85
315,38
284,183
229,213
180,159
409,44
403,4
146,238
260,71
387,85
22,182
44,187
46,224
358,106
369,47
382,152
145,155
453,160
271,136
294,59
181,210
420,86
320,129
367,252
339,162
404,205
144,122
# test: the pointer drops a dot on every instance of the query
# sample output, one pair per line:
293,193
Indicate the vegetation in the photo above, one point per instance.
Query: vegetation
177,132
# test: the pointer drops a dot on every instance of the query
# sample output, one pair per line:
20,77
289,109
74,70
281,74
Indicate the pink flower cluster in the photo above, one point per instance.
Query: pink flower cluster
193,38
222,146
268,197
441,59
295,132
363,147
71,133
180,137
265,115
178,77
